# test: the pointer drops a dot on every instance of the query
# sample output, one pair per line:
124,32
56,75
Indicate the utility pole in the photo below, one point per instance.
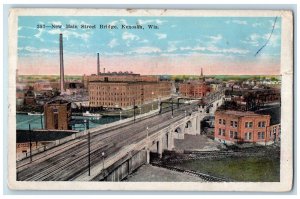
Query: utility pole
120,115
89,146
103,160
172,107
134,110
30,143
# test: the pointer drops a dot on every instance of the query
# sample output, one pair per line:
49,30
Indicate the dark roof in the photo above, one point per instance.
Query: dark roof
58,101
24,136
126,82
274,112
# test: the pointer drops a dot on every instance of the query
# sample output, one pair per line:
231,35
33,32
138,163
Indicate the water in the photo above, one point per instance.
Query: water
37,121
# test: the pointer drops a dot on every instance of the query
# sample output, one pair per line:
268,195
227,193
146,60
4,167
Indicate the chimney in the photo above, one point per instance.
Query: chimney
98,64
201,72
61,57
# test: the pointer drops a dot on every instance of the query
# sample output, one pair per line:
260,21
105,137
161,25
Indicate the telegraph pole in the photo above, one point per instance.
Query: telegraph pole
89,146
134,110
30,143
172,107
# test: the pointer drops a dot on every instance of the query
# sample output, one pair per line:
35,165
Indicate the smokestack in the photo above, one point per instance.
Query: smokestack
61,57
98,64
201,72
103,70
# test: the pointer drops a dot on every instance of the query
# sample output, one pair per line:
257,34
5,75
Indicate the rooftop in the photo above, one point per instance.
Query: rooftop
238,113
125,82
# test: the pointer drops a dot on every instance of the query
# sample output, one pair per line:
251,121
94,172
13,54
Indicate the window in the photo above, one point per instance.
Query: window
220,121
223,132
224,122
231,134
248,136
261,135
235,123
248,124
262,124
235,135
220,131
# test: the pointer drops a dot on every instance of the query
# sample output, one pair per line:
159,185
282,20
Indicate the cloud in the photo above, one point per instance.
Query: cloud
227,50
256,40
172,46
146,50
113,23
113,43
129,36
37,50
215,39
144,41
160,21
123,21
256,25
240,22
171,49
67,33
161,35
215,49
77,22
196,48
56,23
39,34
157,21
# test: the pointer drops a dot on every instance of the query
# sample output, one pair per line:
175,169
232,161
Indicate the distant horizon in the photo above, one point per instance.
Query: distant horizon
158,75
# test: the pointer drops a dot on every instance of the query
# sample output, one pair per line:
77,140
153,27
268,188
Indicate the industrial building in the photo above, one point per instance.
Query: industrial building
121,90
120,94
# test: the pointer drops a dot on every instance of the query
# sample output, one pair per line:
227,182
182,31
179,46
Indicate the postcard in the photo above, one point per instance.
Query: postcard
135,99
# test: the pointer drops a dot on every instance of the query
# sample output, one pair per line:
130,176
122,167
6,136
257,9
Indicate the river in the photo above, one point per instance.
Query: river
37,121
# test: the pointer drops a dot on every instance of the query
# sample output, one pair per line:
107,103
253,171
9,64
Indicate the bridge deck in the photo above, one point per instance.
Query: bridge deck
72,160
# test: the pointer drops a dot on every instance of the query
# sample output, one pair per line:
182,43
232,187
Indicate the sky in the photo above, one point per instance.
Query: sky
180,45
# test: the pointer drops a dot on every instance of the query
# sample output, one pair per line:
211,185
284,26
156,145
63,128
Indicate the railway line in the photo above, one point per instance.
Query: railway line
69,163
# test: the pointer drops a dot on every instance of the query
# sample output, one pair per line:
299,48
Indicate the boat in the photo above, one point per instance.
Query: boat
35,113
88,114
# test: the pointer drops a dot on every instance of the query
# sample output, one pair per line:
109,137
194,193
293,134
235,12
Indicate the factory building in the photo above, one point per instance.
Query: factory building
121,94
122,90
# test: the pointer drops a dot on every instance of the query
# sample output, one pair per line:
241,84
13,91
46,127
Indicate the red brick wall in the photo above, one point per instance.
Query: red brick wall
241,129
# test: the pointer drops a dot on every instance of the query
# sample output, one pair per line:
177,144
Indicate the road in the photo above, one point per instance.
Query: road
72,160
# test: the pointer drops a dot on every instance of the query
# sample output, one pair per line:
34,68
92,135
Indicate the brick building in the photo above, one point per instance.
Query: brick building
57,115
122,94
42,86
117,76
193,89
233,127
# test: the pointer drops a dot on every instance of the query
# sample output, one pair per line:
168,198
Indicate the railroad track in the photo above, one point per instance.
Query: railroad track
70,163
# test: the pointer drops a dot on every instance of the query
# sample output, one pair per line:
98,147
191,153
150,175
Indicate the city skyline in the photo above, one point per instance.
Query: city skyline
181,45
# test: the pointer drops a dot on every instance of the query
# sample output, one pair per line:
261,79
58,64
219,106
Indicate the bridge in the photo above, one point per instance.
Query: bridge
111,152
